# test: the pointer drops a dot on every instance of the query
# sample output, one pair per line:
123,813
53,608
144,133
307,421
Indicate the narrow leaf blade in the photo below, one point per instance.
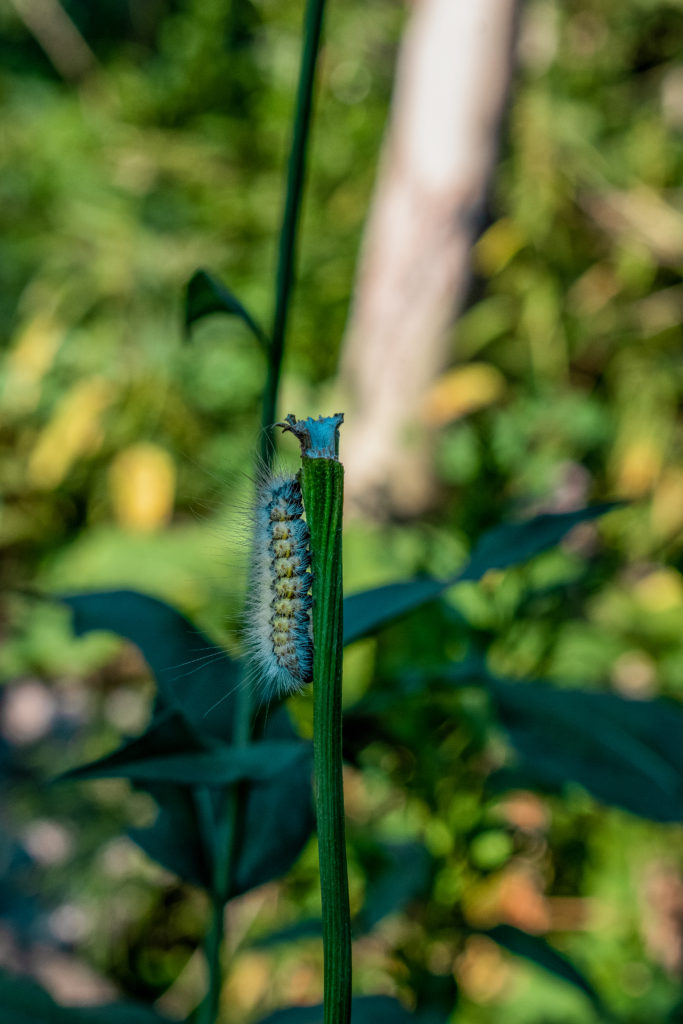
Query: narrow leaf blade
540,952
514,543
221,766
500,548
206,294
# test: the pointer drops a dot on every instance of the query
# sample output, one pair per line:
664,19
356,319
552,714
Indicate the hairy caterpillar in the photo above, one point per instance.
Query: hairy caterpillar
278,615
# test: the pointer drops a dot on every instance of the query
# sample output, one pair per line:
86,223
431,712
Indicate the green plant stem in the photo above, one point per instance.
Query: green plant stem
223,826
228,817
296,172
322,482
212,826
208,1011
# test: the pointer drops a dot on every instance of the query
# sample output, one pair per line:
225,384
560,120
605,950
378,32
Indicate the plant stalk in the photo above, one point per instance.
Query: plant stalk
208,1011
296,172
229,816
322,484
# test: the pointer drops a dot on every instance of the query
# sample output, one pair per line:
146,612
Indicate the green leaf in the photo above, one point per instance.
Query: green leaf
174,840
180,745
25,1002
220,766
626,753
536,949
500,548
170,756
400,874
514,543
279,816
192,672
169,734
206,294
368,611
308,928
364,1010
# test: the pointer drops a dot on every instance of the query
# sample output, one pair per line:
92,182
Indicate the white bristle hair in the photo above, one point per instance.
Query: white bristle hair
277,629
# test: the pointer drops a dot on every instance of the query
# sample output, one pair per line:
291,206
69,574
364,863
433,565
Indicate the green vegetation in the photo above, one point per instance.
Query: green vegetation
512,718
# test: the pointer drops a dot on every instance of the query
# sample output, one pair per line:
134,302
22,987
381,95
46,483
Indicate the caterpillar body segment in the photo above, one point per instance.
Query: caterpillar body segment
278,629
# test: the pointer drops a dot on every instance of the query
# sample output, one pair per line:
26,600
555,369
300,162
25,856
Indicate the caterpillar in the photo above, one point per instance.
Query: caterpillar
278,614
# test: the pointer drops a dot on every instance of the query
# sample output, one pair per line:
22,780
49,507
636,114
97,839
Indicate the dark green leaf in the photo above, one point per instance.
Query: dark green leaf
117,1013
400,875
174,840
220,766
514,543
279,810
368,611
279,816
500,548
25,1002
206,295
192,673
168,734
623,752
309,928
534,948
364,1010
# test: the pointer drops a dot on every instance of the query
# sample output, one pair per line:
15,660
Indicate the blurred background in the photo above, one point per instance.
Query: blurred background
143,140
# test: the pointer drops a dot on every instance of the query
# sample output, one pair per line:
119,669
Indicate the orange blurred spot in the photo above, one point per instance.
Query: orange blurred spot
512,897
249,982
634,674
526,812
481,971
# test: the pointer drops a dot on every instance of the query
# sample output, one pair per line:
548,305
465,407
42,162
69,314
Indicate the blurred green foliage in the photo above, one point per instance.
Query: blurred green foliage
510,831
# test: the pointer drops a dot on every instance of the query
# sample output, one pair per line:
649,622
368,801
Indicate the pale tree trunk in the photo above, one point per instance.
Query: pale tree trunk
452,77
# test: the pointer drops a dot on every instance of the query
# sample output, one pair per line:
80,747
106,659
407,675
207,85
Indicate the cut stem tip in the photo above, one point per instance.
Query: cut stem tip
319,439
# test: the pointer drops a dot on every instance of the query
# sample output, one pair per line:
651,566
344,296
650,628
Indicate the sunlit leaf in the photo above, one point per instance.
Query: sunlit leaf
206,295
500,548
